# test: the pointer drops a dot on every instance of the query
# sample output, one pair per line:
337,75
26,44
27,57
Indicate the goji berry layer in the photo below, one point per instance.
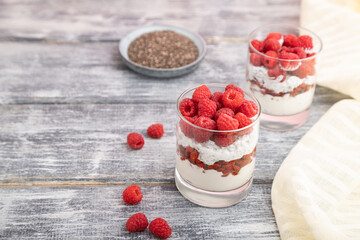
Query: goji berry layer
226,168
298,90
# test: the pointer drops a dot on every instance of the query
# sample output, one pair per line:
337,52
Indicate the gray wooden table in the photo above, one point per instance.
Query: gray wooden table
67,103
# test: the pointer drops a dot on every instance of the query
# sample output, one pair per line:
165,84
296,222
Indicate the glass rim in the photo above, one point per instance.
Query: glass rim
256,118
289,26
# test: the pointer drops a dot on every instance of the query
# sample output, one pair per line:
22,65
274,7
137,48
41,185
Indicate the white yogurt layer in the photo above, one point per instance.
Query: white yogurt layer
286,105
275,84
209,152
212,180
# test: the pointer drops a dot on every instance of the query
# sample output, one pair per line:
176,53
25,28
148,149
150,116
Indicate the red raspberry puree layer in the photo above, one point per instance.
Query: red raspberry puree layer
298,90
225,168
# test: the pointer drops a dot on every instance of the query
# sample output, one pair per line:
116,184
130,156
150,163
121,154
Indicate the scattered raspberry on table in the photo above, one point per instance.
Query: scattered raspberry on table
137,223
160,228
135,141
156,130
132,194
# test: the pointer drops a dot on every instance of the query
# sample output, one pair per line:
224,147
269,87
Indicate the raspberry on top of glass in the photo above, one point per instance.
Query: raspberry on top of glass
216,136
282,54
281,69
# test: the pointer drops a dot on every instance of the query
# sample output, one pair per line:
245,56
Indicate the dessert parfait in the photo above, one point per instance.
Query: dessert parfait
281,71
216,140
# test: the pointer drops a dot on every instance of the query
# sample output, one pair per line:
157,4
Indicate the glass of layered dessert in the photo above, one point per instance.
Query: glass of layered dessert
216,138
281,73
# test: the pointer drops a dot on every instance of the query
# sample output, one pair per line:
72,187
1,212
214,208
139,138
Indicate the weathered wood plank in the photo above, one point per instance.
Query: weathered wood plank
75,20
98,213
88,142
85,73
94,73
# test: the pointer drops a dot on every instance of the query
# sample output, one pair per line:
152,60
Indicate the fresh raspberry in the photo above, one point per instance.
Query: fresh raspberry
156,130
137,223
236,88
226,111
132,194
290,40
258,45
270,62
274,35
188,107
305,41
207,108
224,140
226,122
202,92
305,69
298,51
135,140
216,97
232,99
255,59
243,120
160,228
289,65
275,72
271,45
186,128
249,108
311,61
286,49
310,54
201,135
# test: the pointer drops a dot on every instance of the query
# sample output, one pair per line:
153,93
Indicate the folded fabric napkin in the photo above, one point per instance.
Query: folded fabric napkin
337,22
316,192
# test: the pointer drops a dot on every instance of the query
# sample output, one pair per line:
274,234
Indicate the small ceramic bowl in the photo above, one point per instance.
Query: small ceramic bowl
161,72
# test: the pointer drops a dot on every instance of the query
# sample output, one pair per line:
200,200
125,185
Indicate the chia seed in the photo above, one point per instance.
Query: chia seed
163,49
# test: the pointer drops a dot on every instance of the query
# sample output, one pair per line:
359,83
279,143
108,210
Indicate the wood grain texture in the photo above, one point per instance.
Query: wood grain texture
67,103
75,20
87,142
94,73
99,213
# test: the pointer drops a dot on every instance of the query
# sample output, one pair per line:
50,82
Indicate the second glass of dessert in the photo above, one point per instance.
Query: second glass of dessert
281,73
216,138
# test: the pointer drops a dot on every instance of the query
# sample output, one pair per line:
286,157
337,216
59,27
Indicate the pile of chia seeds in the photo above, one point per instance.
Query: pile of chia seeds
163,49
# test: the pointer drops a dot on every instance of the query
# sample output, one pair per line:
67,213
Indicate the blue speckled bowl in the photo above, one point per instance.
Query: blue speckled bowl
161,72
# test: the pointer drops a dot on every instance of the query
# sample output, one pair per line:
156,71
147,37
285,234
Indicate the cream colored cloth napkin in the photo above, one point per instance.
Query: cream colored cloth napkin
316,192
337,22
